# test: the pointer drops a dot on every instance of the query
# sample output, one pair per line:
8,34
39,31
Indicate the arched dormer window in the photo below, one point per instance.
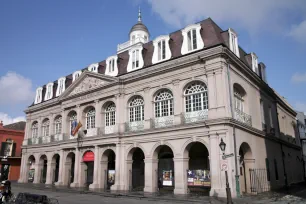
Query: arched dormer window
93,67
233,42
162,50
58,125
135,59
196,97
136,107
91,118
76,75
49,91
60,86
192,39
35,129
254,63
38,97
163,103
111,66
45,128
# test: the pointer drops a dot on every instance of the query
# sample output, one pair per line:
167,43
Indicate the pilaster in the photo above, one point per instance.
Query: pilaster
151,166
95,183
180,171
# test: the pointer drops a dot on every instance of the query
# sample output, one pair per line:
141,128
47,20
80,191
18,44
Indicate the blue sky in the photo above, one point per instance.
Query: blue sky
40,41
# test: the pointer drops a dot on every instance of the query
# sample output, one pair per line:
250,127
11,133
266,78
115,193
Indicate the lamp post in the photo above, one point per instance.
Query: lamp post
222,146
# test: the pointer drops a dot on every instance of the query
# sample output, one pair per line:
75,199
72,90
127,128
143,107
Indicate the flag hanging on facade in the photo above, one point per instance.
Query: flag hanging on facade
76,129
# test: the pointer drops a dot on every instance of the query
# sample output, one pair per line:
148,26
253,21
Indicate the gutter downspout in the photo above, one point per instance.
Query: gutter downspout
234,132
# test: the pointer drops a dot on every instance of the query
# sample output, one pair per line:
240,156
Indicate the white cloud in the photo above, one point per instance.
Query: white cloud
15,89
8,120
300,107
298,32
298,77
254,16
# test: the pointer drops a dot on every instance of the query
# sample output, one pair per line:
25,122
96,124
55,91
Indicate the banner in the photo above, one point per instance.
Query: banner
111,177
89,157
76,129
198,178
167,178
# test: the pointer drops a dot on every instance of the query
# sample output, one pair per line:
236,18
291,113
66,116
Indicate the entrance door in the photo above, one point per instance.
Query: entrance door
5,170
90,171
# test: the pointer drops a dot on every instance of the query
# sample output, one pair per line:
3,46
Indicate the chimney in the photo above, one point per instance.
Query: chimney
1,124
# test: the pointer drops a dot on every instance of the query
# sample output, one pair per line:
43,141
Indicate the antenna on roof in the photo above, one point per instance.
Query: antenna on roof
139,15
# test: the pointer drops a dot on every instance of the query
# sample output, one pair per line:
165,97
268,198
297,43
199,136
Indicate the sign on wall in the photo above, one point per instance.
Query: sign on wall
89,157
111,177
198,177
167,178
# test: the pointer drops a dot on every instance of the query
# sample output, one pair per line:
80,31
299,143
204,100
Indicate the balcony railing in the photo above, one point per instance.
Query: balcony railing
162,122
109,129
195,116
129,43
243,117
134,126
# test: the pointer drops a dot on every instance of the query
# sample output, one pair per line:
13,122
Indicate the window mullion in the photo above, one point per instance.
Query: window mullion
202,101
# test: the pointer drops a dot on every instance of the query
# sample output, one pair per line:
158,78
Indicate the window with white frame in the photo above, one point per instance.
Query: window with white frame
45,128
254,63
233,42
111,65
161,52
110,115
35,130
38,97
192,39
238,100
60,86
90,118
58,125
72,121
49,91
93,68
76,75
163,103
262,112
136,107
196,97
135,59
270,117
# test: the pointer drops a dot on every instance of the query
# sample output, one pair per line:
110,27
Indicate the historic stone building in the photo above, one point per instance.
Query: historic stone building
156,112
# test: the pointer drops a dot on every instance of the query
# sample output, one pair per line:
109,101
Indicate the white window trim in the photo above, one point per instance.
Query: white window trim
200,42
38,97
115,72
58,91
48,87
76,73
235,49
167,47
93,67
254,63
141,62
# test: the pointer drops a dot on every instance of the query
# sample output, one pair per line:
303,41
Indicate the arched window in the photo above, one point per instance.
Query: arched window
45,128
136,109
110,115
35,129
90,118
163,103
58,125
238,99
72,121
196,97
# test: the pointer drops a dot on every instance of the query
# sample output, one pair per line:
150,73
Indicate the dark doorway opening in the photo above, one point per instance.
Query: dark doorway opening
138,171
111,169
165,170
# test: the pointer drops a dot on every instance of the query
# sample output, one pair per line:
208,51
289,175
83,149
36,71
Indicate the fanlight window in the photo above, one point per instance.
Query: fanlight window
238,100
45,128
110,115
163,104
73,122
35,130
90,118
58,125
136,109
196,97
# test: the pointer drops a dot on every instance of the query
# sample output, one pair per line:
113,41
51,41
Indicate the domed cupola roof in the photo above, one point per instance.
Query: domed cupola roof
139,26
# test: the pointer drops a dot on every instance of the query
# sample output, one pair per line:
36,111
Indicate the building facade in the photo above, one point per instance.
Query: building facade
11,137
301,123
155,113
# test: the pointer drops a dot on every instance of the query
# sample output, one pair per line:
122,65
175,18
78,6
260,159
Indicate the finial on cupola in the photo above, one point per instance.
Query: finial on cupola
139,15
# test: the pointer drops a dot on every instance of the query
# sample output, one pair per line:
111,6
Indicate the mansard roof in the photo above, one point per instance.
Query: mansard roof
211,34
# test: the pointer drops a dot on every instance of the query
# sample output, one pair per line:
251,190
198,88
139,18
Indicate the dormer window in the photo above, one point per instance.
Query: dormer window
254,63
93,67
38,97
233,42
76,75
60,86
135,59
49,91
192,39
162,50
111,66
263,71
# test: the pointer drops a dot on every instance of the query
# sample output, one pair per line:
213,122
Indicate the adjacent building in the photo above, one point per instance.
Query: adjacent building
156,112
301,123
11,137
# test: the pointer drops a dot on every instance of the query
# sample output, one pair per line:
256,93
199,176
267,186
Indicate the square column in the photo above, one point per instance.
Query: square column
76,169
61,169
119,168
151,175
95,183
23,167
180,171
49,177
102,174
37,174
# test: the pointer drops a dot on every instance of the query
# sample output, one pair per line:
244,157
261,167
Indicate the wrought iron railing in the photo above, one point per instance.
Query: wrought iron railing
161,122
134,126
259,179
109,129
243,117
195,116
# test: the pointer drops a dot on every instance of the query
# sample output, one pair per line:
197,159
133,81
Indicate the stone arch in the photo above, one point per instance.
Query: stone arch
246,162
135,168
131,150
238,87
190,81
189,143
69,165
30,171
107,168
55,162
42,168
107,103
132,96
159,89
157,146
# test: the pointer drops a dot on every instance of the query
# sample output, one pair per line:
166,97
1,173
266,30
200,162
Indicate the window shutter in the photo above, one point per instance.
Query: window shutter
3,148
14,150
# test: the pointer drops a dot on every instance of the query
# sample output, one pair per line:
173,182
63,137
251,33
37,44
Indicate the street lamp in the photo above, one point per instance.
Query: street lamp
222,146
